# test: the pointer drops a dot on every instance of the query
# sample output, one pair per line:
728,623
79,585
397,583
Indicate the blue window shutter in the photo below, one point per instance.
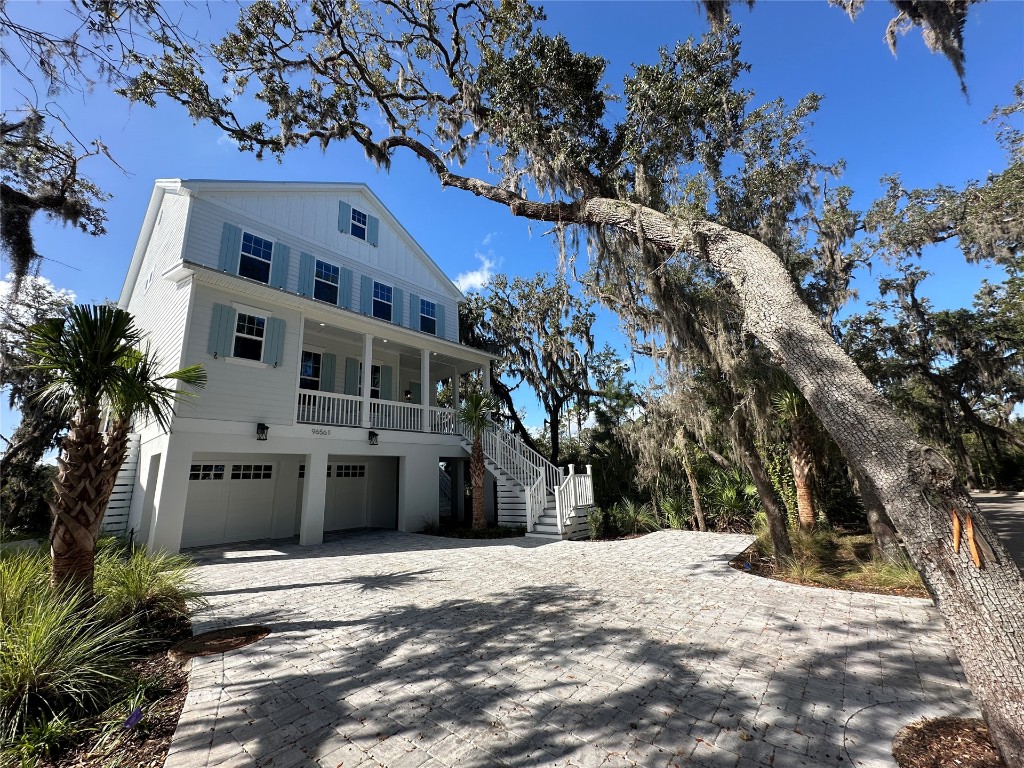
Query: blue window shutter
273,342
366,295
328,363
222,330
385,382
398,306
344,217
345,289
351,376
440,321
279,265
306,264
373,226
230,248
415,387
414,311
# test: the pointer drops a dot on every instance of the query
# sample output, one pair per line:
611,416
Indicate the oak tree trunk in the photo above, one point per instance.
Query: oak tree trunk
698,507
774,511
477,472
981,606
885,544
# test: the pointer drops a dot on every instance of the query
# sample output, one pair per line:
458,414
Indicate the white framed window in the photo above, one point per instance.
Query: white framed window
252,471
206,472
309,372
254,260
358,228
249,333
428,317
374,381
326,282
350,470
383,296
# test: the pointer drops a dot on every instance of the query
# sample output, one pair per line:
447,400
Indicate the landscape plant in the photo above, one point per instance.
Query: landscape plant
475,416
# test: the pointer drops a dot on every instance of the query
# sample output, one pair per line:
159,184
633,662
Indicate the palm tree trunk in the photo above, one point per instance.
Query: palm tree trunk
801,459
478,472
86,472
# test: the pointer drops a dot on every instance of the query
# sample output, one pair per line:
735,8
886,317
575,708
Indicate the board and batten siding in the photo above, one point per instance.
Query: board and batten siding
159,305
308,223
240,391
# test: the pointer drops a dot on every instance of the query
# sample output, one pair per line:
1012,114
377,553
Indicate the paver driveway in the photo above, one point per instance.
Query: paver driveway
405,651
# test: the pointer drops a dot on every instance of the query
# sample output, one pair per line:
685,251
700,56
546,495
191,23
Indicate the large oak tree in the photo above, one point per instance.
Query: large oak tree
440,80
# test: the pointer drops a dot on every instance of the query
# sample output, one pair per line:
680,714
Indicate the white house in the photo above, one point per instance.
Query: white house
325,331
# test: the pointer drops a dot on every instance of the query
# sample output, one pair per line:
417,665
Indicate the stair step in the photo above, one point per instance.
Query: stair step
547,520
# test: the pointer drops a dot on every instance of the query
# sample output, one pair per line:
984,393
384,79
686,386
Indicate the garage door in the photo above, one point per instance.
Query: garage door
228,502
345,503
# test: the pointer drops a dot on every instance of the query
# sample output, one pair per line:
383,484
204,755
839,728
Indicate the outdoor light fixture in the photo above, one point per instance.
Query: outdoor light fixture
408,395
262,430
373,437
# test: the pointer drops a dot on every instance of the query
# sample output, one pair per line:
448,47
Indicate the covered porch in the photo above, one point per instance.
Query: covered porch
405,387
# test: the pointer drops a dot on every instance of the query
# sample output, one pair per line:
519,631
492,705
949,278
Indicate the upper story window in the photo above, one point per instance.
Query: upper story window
428,316
382,301
309,372
249,332
358,224
254,261
325,284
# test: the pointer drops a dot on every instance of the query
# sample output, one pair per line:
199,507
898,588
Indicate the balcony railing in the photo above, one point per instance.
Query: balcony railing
346,411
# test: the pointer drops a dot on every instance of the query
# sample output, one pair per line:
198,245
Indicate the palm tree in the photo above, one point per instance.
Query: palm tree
793,412
95,364
475,416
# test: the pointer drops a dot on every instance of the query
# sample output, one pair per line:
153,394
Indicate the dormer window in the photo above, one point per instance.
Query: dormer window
428,317
358,224
382,301
254,261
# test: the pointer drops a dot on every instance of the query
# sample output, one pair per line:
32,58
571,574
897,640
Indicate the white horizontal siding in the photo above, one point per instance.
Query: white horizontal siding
309,223
160,306
239,392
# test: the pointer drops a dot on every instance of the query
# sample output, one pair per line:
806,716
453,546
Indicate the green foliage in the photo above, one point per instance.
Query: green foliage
732,500
675,512
454,531
631,518
148,588
61,662
23,498
886,574
55,656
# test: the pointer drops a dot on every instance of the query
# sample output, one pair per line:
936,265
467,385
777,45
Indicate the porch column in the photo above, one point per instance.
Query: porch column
302,340
314,497
456,377
367,366
425,388
487,376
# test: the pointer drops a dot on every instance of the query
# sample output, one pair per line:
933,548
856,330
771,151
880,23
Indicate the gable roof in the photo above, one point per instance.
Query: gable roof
198,187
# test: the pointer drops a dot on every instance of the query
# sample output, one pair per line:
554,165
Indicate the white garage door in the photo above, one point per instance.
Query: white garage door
228,502
345,505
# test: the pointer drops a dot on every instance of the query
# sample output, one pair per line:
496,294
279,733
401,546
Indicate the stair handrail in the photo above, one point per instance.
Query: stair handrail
576,491
444,483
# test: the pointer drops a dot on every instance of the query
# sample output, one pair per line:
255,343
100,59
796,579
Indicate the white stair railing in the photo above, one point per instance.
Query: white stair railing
537,475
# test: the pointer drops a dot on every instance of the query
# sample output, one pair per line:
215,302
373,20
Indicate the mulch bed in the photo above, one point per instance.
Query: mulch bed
945,742
146,744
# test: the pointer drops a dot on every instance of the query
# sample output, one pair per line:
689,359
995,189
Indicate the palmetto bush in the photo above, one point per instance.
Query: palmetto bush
56,657
632,518
732,500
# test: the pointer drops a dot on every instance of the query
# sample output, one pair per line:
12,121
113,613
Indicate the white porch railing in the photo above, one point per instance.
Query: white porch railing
386,414
442,421
329,409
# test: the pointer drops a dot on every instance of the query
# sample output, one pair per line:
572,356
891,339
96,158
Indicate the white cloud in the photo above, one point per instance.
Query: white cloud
476,279
20,311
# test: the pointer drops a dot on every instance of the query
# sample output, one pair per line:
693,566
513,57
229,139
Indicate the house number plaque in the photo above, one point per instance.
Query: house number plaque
320,432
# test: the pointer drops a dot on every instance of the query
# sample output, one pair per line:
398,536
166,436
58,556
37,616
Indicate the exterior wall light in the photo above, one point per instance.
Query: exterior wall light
262,430
373,437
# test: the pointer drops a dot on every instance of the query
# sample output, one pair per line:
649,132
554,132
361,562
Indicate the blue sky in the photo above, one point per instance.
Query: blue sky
882,114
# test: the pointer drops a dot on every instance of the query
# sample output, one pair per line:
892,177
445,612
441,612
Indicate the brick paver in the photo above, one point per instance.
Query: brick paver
410,651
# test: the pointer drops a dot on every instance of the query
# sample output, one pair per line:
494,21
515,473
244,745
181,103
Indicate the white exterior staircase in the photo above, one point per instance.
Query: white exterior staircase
531,490
115,520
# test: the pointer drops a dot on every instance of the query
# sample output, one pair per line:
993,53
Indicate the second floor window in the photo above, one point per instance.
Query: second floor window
382,298
325,286
254,261
249,331
309,373
428,316
358,224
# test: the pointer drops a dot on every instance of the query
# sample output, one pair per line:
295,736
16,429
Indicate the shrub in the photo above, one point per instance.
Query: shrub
56,657
632,518
148,587
887,574
676,512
